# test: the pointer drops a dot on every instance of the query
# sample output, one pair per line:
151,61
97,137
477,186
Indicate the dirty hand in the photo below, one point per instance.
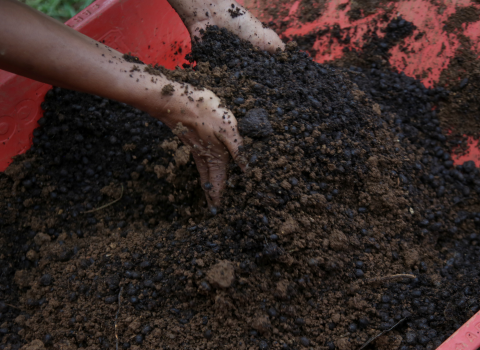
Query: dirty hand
209,130
71,60
197,14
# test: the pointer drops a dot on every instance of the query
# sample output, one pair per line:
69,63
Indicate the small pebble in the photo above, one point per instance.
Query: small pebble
262,345
46,280
208,334
139,339
304,341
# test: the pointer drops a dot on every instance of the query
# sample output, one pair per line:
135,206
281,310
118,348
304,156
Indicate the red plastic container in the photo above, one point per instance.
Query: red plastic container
151,30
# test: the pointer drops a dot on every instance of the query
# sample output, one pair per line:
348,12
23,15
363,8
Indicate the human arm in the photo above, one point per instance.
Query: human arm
38,47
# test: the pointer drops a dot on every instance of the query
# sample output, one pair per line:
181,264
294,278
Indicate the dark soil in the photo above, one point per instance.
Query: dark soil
350,184
101,152
462,15
309,11
460,112
461,77
235,11
361,9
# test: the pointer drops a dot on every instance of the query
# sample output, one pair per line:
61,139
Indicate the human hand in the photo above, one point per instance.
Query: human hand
77,62
210,131
198,14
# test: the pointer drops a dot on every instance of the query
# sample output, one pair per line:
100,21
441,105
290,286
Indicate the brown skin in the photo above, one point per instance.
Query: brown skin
38,47
197,14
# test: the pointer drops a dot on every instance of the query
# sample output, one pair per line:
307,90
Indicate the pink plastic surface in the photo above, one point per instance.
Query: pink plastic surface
466,337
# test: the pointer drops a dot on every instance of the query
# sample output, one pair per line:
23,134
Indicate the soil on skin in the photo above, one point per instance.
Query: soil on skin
349,184
235,11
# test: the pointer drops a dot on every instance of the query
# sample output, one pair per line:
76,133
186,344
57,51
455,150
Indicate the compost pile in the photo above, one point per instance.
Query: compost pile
350,222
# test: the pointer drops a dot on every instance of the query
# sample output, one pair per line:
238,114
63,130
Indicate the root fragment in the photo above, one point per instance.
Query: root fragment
382,333
106,205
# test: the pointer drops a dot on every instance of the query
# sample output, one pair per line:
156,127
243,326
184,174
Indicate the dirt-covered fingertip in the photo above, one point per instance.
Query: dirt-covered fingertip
236,150
217,174
273,42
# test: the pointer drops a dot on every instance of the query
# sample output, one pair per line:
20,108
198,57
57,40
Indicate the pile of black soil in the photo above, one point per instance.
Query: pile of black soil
351,220
458,111
374,51
87,153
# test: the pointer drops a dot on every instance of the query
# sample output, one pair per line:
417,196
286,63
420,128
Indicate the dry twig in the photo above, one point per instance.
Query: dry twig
106,205
382,333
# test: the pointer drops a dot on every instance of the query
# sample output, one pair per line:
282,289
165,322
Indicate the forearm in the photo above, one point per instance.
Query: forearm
38,47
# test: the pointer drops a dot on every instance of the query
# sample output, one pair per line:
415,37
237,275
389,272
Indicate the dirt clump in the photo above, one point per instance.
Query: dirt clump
255,123
221,275
235,11
168,89
462,15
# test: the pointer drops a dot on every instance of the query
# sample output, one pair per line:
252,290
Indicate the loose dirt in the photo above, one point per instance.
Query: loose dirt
350,221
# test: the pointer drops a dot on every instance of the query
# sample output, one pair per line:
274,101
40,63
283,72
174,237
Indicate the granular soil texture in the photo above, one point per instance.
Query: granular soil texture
350,221
88,152
375,50
459,112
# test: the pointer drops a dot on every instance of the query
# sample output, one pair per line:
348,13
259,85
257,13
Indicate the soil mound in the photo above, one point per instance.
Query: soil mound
351,220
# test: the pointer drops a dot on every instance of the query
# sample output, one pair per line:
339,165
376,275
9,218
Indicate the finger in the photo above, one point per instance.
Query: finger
272,41
233,145
258,35
202,168
217,173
